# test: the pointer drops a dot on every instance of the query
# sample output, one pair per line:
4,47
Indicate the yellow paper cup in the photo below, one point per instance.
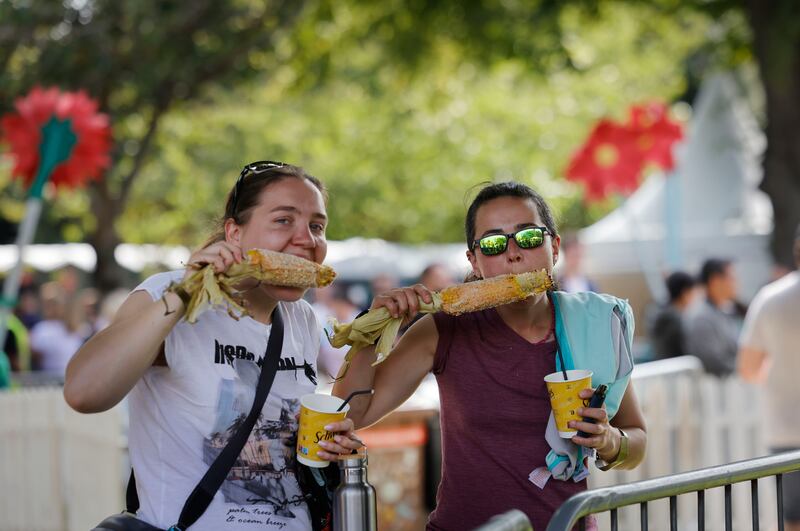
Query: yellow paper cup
564,397
317,411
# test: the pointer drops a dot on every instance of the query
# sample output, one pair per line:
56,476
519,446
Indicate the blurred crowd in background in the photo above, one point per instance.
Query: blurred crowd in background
55,314
702,315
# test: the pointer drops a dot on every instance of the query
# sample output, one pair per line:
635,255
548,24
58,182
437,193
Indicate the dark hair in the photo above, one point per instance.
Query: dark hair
249,194
713,267
679,283
507,189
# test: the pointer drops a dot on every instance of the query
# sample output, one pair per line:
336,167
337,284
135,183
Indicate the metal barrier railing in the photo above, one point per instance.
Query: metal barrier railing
642,492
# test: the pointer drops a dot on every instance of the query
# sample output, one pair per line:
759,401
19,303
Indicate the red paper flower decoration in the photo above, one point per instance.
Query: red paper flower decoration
22,131
655,133
612,158
609,160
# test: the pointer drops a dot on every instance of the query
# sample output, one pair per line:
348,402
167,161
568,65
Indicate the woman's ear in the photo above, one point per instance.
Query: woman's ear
476,273
556,248
233,232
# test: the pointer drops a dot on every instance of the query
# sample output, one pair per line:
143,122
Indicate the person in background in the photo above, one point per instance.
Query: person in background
666,328
713,324
57,337
571,277
332,301
69,279
111,303
769,356
381,283
17,347
88,300
28,307
436,277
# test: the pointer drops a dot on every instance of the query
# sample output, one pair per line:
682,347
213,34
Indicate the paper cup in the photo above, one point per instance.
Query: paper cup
564,397
317,411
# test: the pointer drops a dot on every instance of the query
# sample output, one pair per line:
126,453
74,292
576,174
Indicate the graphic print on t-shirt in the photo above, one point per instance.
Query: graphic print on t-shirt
228,353
264,473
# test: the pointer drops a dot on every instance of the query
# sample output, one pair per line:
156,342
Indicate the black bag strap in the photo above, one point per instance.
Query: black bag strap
200,498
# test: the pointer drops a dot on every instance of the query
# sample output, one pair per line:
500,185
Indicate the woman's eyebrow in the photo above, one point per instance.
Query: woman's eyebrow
286,208
295,210
500,231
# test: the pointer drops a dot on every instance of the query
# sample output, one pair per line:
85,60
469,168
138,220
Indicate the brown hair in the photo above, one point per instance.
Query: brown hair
246,192
507,189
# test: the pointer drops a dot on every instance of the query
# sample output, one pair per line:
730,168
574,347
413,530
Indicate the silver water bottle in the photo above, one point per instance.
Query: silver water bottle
354,503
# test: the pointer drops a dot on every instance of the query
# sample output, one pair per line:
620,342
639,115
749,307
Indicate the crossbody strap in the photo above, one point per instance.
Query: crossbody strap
200,498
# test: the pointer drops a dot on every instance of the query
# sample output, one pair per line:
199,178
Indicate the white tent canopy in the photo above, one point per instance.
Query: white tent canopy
712,203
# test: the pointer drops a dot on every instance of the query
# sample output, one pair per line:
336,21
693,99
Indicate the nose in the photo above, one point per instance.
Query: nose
513,252
304,238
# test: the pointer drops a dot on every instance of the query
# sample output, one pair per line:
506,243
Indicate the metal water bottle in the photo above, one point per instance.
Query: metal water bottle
354,504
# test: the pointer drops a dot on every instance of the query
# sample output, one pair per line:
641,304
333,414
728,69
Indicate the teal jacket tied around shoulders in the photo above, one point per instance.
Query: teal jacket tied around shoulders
594,332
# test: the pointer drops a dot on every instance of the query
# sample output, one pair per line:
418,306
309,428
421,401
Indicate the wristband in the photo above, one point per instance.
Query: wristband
621,456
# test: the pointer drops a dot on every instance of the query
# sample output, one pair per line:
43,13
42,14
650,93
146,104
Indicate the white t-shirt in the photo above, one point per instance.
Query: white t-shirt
182,416
772,326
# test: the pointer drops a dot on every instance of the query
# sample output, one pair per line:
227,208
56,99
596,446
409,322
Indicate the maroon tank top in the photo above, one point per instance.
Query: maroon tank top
494,412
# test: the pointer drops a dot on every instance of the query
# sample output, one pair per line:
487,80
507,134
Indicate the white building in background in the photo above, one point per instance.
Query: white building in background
711,201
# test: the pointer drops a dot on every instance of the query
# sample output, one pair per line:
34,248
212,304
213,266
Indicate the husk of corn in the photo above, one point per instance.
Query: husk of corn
207,288
378,327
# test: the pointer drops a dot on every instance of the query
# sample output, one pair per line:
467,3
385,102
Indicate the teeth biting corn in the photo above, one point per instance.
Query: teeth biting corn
378,326
207,288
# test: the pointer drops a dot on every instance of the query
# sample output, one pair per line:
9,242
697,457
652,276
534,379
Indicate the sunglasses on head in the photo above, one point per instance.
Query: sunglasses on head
254,168
527,238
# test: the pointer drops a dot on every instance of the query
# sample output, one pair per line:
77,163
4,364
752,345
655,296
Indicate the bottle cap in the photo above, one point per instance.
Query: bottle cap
356,460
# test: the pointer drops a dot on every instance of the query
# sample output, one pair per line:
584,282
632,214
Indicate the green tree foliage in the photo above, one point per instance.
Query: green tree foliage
400,106
139,59
533,31
399,147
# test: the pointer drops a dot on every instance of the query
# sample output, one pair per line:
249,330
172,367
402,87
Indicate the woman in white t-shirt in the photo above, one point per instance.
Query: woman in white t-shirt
191,385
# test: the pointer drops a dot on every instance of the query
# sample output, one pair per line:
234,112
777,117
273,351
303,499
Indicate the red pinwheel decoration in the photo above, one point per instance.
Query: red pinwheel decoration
24,132
612,158
56,136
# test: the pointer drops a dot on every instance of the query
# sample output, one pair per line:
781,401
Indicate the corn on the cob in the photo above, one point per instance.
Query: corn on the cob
496,291
378,326
282,269
207,288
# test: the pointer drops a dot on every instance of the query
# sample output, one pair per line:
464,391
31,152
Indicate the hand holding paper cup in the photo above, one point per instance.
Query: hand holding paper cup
564,398
316,412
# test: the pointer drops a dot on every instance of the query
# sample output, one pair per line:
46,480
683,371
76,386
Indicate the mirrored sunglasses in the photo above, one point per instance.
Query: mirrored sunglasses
527,238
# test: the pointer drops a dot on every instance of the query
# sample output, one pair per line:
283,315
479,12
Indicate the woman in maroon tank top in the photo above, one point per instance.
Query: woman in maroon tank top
490,366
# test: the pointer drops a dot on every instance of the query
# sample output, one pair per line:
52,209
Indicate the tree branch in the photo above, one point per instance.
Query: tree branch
144,147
